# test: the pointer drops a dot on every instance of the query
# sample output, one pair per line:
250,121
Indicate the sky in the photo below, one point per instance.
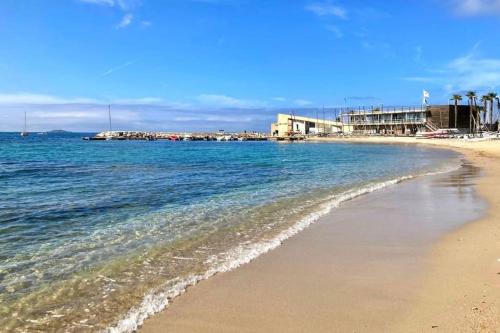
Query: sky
193,65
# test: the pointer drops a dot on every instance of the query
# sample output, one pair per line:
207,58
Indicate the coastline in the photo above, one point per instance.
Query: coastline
425,306
461,285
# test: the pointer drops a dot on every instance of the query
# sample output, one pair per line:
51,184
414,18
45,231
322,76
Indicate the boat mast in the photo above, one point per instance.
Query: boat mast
324,122
109,115
25,121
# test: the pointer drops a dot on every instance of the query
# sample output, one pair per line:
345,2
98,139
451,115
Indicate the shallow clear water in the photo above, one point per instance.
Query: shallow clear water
88,229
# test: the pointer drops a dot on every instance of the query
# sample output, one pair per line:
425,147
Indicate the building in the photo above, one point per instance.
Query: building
407,120
383,120
444,116
288,124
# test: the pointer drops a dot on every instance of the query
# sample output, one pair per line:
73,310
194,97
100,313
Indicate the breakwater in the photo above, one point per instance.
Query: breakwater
151,136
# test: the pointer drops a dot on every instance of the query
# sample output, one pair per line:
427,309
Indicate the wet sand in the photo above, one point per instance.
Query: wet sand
368,266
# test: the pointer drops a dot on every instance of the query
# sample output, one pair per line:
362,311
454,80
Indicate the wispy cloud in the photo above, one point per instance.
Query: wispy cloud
279,99
43,99
209,113
125,22
302,102
117,68
125,6
475,7
471,71
50,112
327,9
109,3
30,98
121,4
228,101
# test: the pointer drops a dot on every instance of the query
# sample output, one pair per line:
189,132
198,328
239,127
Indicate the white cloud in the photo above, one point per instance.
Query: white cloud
94,117
327,9
146,24
28,98
41,99
121,4
208,113
117,68
128,4
422,79
302,102
109,3
126,20
476,7
279,99
469,72
227,101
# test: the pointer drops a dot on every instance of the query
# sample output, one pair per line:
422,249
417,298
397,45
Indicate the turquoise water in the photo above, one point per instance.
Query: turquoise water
99,235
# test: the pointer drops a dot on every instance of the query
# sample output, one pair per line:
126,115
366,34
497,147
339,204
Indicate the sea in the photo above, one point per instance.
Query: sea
100,235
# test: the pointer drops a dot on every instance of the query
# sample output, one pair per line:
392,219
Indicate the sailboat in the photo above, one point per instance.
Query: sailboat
110,135
24,133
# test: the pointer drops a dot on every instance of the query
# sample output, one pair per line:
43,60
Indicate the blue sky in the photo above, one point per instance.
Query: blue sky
209,64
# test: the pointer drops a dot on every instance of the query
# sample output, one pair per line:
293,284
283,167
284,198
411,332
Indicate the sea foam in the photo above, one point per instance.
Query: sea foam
159,299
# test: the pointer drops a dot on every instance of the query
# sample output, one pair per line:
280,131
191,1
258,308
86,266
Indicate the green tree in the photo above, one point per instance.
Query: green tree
471,95
456,98
493,96
485,99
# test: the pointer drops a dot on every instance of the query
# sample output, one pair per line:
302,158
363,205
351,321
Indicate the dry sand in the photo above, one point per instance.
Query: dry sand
368,271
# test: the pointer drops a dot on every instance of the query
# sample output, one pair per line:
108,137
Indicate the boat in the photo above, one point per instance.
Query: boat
25,132
441,133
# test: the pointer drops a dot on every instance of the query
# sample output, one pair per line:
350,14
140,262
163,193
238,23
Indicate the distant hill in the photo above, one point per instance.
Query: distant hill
59,131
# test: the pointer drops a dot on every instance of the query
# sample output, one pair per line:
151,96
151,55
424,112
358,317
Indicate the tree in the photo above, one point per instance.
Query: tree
493,96
456,98
498,109
485,99
471,95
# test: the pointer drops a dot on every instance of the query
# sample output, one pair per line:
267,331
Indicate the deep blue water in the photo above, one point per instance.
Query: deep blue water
97,225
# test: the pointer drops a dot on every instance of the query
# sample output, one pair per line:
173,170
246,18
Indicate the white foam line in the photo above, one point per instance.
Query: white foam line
159,299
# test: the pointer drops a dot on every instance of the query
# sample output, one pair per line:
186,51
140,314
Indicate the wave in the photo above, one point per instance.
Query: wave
159,299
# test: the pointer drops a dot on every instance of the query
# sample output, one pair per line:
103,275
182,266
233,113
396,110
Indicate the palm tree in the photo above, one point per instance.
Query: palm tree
471,95
456,98
498,110
492,95
485,99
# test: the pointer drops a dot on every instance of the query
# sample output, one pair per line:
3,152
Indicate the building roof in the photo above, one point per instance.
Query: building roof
309,119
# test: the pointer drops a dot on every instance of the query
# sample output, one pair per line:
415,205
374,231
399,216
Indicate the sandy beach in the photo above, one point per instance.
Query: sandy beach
391,261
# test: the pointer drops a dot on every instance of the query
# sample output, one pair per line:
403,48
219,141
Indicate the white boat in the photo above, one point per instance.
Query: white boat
440,133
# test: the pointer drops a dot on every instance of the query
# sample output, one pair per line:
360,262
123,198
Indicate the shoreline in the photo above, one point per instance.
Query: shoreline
442,143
